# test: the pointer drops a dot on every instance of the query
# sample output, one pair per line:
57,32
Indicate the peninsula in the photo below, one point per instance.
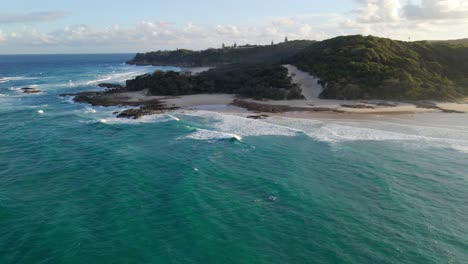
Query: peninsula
358,74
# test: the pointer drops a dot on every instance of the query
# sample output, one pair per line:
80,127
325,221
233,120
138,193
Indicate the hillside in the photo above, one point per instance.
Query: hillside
358,67
349,67
463,42
215,57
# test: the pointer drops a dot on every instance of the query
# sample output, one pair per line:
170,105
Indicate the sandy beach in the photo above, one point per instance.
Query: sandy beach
311,106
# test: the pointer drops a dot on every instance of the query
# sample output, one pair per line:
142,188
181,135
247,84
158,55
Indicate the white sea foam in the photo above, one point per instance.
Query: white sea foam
242,126
461,148
204,134
332,131
41,112
337,132
68,99
145,119
15,78
173,117
115,77
89,110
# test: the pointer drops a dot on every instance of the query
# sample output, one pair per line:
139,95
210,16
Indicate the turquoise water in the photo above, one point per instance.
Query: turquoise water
79,186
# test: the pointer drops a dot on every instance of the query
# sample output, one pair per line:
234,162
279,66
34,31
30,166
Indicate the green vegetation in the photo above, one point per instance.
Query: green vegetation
265,81
463,42
214,57
349,67
357,67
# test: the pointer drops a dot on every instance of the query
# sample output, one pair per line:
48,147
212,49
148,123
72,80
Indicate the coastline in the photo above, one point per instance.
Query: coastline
311,106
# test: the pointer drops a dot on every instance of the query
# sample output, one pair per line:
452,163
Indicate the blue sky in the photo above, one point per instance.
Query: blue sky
57,26
108,12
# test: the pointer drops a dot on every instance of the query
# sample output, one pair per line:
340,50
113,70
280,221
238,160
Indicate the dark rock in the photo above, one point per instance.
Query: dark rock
451,111
380,103
148,107
426,105
258,116
358,106
387,104
432,105
266,108
28,90
137,113
110,85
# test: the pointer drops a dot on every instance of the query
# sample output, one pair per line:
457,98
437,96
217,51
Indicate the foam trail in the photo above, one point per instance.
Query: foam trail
89,110
15,78
244,127
116,77
111,120
336,132
173,117
204,134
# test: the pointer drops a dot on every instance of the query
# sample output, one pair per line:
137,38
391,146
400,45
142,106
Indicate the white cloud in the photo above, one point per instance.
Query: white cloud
429,19
437,10
376,11
8,18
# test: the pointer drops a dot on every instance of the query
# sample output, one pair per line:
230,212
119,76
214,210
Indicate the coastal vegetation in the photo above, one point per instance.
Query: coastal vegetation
358,67
349,67
227,55
258,81
463,42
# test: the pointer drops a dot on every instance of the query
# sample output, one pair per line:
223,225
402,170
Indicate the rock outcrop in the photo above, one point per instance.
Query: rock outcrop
28,90
110,85
269,108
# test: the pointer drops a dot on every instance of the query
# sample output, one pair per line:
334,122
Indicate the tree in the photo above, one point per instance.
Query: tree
272,43
224,46
235,45
286,39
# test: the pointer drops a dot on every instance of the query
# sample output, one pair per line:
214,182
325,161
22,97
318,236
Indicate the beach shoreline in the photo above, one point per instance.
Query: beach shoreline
310,106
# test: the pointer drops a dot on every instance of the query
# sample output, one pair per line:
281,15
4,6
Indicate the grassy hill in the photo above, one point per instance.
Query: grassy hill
215,57
358,67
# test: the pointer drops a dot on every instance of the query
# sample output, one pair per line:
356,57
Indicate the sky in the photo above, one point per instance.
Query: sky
104,26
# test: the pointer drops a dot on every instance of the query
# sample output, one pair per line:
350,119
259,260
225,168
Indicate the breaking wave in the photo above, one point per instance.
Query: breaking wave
15,78
204,134
331,131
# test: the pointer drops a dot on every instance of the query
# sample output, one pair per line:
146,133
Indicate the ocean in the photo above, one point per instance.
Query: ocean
78,185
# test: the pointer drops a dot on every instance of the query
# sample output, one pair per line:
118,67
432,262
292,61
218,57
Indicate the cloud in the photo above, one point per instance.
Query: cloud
437,10
377,11
387,18
428,19
148,35
7,18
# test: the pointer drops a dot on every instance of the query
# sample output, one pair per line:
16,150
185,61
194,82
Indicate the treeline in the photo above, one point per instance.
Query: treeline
349,67
358,67
215,57
463,42
258,81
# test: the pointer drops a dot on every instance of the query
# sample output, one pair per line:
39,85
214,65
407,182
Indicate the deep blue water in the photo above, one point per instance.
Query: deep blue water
79,186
